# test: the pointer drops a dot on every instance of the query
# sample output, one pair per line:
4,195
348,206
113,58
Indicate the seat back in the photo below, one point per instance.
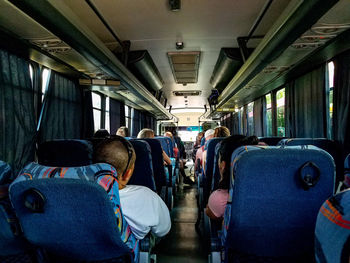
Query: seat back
171,145
5,173
157,162
332,234
67,153
347,171
209,165
216,171
72,212
272,141
328,145
143,172
274,199
202,141
164,143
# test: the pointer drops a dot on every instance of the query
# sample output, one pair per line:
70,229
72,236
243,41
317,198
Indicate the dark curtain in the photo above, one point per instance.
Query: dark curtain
17,119
306,106
115,109
245,120
88,121
62,110
341,95
235,124
258,117
135,122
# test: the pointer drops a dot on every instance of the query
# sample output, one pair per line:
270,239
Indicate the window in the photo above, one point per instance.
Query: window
97,110
250,112
241,127
280,96
268,115
107,115
128,117
45,82
330,88
31,74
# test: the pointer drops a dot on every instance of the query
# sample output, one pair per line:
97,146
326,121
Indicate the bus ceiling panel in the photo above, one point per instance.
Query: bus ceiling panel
60,20
296,19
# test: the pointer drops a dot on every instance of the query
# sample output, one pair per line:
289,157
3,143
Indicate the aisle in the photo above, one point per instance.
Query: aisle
183,244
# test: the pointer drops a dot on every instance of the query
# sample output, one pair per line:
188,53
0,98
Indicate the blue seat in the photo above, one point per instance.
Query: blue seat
163,189
74,212
216,172
271,141
12,242
5,173
274,198
209,166
67,153
202,141
347,171
143,172
328,145
332,234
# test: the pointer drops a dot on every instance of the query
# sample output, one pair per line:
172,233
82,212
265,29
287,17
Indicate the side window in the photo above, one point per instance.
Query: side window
128,117
241,120
329,92
107,114
280,97
97,110
44,82
268,115
250,112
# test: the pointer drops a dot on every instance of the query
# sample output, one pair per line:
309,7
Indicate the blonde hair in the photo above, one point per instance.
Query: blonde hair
145,133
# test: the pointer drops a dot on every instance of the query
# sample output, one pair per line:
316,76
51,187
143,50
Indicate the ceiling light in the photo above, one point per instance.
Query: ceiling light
179,45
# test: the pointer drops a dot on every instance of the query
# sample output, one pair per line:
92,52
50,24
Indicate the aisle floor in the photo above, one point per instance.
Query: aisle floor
183,244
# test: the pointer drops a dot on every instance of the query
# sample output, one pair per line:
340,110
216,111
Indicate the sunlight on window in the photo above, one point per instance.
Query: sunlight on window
45,82
268,115
107,126
251,118
329,92
280,96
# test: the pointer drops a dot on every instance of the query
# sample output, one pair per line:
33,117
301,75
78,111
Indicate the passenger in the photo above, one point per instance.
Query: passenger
143,209
123,131
209,134
218,199
101,133
186,179
149,133
197,145
220,131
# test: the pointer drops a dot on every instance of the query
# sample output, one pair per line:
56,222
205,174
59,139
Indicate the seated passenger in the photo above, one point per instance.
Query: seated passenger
123,131
207,135
149,133
220,131
142,208
218,199
101,133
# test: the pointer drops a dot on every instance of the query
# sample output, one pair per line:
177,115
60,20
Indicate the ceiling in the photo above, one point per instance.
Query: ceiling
203,25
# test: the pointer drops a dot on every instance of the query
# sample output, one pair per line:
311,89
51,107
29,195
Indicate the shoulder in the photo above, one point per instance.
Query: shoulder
220,194
139,190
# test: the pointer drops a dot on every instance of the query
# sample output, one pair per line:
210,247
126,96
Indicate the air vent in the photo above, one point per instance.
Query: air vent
187,93
53,46
184,66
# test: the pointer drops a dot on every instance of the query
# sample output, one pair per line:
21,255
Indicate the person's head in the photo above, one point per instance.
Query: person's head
227,146
101,133
145,133
209,134
119,153
221,131
168,134
123,131
199,137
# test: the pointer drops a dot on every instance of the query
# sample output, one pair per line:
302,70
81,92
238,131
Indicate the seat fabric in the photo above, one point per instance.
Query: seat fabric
270,213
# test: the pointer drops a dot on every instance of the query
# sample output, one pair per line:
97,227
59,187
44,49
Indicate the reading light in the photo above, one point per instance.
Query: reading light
179,45
175,5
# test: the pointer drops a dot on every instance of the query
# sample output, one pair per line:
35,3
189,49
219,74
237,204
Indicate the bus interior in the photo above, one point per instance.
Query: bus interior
181,81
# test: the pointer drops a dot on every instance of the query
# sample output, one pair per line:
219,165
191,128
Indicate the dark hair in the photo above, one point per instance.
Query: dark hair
101,133
227,146
117,151
123,131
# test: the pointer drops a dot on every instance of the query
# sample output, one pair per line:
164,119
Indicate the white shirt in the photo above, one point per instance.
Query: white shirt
144,211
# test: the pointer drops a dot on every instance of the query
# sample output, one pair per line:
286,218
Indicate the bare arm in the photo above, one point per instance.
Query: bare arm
211,214
166,158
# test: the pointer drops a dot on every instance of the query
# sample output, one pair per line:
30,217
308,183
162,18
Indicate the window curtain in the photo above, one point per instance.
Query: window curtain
245,120
115,109
17,119
62,110
306,106
88,120
258,117
135,122
341,95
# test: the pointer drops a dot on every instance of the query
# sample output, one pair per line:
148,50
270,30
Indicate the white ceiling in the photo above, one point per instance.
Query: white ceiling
203,25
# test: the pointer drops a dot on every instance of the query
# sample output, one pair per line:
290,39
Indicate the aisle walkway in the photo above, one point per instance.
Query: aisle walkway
183,244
